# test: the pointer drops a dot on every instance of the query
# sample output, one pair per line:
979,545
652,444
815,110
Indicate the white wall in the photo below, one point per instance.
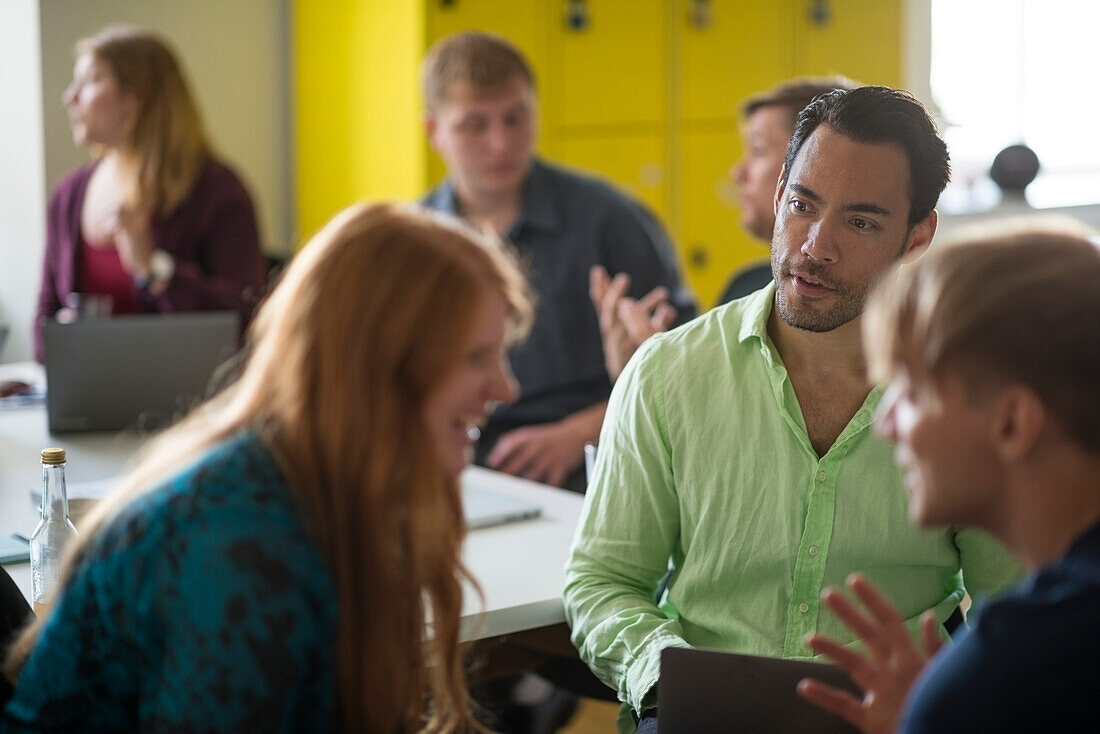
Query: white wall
917,54
235,55
22,174
917,49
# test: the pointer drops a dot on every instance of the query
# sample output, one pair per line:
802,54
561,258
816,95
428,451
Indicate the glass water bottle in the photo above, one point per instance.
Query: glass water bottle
53,530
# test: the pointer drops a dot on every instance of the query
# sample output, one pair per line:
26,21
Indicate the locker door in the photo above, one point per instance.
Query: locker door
634,162
729,50
861,39
609,68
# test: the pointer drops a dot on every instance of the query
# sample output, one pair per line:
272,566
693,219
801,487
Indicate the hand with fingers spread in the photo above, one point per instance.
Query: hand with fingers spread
886,670
626,322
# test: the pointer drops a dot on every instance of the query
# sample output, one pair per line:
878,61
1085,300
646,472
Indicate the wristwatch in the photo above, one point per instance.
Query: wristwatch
161,268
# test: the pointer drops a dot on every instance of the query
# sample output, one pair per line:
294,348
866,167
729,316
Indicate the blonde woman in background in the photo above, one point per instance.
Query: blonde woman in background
271,563
155,222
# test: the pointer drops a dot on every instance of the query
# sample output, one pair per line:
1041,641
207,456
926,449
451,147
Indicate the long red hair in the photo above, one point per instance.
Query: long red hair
368,319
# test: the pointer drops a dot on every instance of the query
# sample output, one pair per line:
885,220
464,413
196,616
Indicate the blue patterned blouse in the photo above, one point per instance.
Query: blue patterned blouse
203,607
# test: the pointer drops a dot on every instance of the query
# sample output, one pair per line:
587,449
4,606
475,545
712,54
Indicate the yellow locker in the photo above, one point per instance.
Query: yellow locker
860,39
644,92
725,52
607,67
356,126
728,51
635,162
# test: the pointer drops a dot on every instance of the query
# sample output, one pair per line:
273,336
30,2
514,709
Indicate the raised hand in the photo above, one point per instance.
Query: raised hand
887,669
625,322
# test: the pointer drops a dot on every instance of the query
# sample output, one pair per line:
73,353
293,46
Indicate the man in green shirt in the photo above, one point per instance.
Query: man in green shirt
737,448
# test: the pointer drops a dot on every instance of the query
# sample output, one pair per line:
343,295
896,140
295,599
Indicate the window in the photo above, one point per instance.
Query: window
1017,71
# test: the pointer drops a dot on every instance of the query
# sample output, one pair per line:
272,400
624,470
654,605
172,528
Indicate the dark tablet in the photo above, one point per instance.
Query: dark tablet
703,691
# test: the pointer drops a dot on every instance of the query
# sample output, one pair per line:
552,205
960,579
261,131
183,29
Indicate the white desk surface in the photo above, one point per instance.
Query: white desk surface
520,566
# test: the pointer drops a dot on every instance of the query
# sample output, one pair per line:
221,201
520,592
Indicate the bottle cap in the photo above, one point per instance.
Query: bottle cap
53,456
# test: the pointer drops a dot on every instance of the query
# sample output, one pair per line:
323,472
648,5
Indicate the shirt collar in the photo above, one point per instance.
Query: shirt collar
443,198
757,309
539,209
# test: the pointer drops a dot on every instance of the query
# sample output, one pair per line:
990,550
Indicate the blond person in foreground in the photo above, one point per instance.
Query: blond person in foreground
271,563
992,350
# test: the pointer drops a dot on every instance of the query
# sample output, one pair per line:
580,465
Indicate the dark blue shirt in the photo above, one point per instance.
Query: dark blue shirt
202,607
1030,663
746,281
568,223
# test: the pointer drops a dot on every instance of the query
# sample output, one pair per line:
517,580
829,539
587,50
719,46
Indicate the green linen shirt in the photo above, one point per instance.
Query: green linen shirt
705,466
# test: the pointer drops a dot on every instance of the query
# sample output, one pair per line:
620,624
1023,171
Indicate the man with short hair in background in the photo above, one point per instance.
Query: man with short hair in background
481,117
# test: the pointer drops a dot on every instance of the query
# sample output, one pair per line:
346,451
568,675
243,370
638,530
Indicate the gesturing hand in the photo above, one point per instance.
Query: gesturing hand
885,672
625,322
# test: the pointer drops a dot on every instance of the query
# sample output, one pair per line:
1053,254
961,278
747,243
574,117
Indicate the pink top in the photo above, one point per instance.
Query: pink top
102,274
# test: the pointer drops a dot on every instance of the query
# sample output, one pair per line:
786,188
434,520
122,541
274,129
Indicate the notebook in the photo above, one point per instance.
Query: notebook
134,371
14,549
485,508
704,692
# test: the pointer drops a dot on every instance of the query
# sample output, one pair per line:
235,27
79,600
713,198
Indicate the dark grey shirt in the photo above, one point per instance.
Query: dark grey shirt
570,222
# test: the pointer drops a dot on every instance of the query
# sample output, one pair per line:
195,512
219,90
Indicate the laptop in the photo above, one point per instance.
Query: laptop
134,371
704,692
484,508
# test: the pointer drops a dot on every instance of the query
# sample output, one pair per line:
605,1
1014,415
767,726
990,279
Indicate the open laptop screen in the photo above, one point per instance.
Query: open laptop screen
133,371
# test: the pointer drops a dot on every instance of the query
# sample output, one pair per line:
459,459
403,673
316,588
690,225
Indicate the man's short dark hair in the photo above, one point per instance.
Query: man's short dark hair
882,115
794,95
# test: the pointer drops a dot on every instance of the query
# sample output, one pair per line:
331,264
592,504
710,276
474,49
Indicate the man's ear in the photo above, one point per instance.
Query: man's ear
920,237
1020,418
779,186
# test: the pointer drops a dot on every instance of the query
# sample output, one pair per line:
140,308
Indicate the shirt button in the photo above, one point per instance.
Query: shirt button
813,550
821,476
803,607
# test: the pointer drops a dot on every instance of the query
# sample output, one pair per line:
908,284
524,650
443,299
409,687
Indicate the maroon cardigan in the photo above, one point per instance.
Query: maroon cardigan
212,235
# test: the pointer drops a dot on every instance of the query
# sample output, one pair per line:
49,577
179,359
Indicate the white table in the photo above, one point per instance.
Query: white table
520,566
